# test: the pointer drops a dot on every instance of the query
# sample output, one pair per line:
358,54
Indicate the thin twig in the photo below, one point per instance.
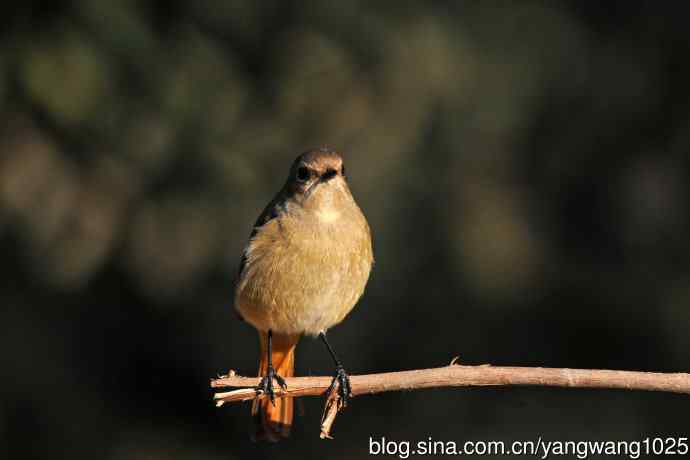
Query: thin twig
330,411
456,376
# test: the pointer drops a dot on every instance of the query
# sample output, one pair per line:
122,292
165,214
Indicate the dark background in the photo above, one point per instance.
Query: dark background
524,168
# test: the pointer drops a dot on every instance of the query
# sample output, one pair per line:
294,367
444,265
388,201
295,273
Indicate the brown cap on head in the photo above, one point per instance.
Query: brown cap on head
319,160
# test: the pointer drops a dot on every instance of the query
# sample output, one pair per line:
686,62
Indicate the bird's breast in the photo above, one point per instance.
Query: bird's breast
327,216
305,272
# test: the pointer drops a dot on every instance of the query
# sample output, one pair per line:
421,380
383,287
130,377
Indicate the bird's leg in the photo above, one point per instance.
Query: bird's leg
266,383
340,379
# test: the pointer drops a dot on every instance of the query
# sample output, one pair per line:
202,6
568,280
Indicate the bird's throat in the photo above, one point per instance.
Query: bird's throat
328,215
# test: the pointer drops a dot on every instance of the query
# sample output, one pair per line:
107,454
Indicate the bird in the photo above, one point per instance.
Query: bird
305,266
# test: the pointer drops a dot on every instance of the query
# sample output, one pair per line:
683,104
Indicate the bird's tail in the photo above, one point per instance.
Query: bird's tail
273,422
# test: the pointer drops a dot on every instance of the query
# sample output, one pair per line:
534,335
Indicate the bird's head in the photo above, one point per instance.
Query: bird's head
319,172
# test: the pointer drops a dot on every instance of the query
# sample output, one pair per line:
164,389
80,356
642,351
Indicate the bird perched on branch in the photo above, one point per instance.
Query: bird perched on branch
305,267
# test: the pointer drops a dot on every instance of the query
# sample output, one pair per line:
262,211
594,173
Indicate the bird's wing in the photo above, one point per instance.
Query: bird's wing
274,209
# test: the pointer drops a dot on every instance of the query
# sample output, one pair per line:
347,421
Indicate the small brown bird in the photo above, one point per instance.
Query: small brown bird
305,267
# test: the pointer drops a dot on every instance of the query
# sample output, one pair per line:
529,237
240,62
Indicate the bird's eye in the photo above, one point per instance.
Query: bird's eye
303,174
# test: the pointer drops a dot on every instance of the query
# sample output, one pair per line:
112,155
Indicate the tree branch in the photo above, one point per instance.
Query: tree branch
455,376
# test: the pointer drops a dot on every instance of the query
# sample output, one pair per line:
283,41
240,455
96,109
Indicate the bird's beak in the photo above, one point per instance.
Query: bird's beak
328,175
325,178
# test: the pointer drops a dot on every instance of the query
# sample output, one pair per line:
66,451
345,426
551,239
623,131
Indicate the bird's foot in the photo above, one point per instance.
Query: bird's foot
265,386
342,381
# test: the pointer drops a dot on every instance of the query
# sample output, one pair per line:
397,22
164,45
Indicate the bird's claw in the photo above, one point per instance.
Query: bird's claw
342,381
265,386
